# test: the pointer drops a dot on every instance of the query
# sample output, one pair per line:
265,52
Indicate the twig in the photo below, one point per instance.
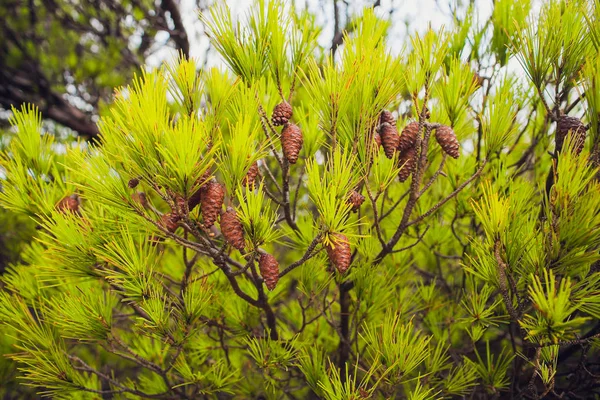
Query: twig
307,255
434,176
450,196
410,246
502,283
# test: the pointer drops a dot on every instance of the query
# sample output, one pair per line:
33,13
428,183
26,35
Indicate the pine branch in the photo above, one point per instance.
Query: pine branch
308,254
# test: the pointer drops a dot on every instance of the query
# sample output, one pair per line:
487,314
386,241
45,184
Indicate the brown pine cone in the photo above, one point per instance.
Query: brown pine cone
195,198
269,270
291,142
447,139
377,139
281,113
250,175
389,139
339,252
356,199
133,182
181,204
69,204
141,198
170,221
232,229
574,125
409,135
387,117
211,201
407,162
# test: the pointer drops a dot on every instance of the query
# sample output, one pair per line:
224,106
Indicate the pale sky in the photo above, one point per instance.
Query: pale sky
409,16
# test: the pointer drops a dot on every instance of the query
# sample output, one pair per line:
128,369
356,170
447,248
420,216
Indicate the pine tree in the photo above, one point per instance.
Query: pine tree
160,270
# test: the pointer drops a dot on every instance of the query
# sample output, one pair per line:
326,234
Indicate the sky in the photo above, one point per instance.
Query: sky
408,16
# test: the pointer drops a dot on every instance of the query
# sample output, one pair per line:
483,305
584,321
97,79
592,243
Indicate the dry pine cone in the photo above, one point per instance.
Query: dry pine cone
574,125
339,252
170,221
447,139
211,201
281,113
387,117
291,142
409,135
407,162
250,175
181,205
196,197
389,139
232,229
133,182
269,270
356,199
70,203
377,140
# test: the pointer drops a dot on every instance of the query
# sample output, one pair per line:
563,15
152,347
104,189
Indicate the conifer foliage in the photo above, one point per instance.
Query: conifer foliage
215,244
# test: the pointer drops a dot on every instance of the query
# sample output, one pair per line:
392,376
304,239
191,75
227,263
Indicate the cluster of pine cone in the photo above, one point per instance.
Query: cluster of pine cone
210,197
405,143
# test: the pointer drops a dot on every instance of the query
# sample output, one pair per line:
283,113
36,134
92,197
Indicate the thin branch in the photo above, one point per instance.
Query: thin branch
410,246
503,284
307,255
450,196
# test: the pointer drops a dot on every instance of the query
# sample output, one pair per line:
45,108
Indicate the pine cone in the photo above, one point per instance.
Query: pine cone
195,198
269,270
232,229
69,204
407,162
141,198
133,182
387,117
250,175
181,204
574,125
281,113
389,139
211,201
377,139
291,142
409,135
170,221
356,199
447,139
339,252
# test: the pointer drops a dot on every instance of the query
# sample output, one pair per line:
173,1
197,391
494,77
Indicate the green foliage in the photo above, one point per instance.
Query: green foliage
475,277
